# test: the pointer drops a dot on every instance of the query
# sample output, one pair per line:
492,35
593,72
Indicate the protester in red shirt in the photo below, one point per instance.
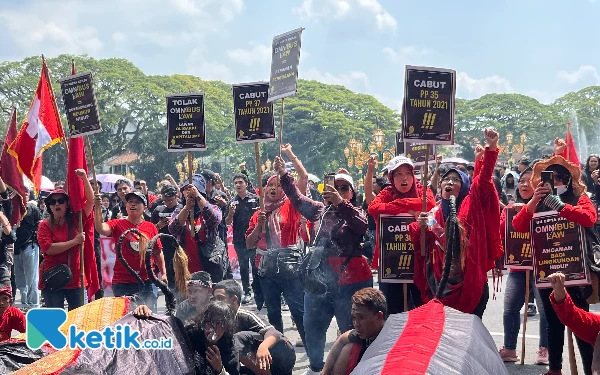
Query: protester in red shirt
478,239
403,196
572,203
59,240
11,318
123,283
584,324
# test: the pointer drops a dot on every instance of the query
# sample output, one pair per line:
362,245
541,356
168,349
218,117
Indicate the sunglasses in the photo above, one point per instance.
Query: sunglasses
342,187
52,202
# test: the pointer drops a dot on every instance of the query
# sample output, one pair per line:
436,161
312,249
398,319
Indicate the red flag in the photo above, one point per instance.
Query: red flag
41,130
10,174
77,160
570,152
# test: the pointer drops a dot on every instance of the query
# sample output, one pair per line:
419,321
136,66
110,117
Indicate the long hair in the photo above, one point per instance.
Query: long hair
218,313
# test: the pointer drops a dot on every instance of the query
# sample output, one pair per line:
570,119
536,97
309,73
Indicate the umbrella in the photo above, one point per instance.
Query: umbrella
108,181
432,339
455,161
46,184
313,178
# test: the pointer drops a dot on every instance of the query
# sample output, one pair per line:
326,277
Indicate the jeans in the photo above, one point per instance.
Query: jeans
556,331
57,298
26,275
272,289
319,310
514,299
149,297
246,257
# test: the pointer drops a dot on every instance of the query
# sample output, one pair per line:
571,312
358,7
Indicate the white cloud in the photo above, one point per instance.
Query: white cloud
309,10
586,74
256,54
471,88
403,54
118,36
43,30
199,65
357,80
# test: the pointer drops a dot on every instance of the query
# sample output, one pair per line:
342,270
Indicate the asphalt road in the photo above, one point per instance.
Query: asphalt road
492,319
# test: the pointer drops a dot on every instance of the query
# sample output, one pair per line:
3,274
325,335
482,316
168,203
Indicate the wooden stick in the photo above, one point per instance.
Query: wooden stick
259,176
405,292
572,359
190,166
424,207
281,127
525,317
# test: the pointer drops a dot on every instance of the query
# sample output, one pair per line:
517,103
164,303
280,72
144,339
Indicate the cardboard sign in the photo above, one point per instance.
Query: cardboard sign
186,130
428,108
517,245
80,104
284,65
559,245
396,251
254,121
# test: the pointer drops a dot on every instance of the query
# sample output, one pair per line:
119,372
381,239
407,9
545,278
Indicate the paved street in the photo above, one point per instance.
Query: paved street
492,320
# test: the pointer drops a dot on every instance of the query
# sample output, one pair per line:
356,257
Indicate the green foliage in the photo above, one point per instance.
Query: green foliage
318,121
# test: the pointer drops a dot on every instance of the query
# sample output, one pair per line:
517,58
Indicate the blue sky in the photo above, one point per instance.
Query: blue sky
541,48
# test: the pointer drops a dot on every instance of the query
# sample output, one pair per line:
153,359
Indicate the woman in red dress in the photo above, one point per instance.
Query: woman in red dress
59,240
478,212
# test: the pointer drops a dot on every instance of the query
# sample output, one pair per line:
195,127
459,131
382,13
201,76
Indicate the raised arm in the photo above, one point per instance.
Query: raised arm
89,192
371,164
308,208
298,167
99,224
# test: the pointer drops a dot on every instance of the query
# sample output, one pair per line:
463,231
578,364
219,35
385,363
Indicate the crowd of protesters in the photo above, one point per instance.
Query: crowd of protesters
310,251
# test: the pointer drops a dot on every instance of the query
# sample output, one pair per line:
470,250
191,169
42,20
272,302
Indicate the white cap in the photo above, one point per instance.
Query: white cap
398,161
345,177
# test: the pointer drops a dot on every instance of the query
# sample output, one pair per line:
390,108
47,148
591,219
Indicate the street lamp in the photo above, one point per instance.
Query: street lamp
357,154
513,150
379,139
182,168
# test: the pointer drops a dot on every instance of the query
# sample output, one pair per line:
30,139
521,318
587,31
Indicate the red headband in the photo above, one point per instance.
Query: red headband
7,290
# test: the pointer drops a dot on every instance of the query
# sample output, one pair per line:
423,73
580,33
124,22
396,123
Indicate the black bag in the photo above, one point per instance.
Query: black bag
316,277
282,264
58,276
278,263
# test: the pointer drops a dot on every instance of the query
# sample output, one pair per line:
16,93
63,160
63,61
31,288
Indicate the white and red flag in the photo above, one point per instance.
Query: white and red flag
40,130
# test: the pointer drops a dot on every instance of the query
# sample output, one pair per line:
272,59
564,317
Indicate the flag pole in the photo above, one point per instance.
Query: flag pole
189,161
424,179
259,177
568,142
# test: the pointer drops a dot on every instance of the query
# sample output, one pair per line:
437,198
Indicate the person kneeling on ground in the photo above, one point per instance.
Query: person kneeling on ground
11,318
369,312
199,292
262,349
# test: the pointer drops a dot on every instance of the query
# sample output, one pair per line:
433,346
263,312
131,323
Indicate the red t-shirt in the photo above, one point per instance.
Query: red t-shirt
290,218
12,319
59,233
120,226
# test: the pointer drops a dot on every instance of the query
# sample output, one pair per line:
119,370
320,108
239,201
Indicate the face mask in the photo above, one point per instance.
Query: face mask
561,189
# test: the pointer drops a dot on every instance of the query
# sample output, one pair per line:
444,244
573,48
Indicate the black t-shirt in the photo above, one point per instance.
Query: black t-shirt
248,321
229,356
245,208
27,230
161,212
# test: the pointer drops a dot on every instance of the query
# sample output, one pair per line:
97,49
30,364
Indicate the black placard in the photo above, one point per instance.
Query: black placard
186,130
396,251
416,152
558,245
284,65
80,104
428,107
254,121
517,245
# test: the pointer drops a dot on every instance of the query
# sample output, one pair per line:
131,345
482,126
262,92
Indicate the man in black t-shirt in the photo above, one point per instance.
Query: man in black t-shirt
369,312
161,217
241,209
260,346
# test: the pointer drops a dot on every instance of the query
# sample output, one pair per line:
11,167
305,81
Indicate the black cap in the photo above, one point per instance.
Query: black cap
168,191
209,175
136,194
